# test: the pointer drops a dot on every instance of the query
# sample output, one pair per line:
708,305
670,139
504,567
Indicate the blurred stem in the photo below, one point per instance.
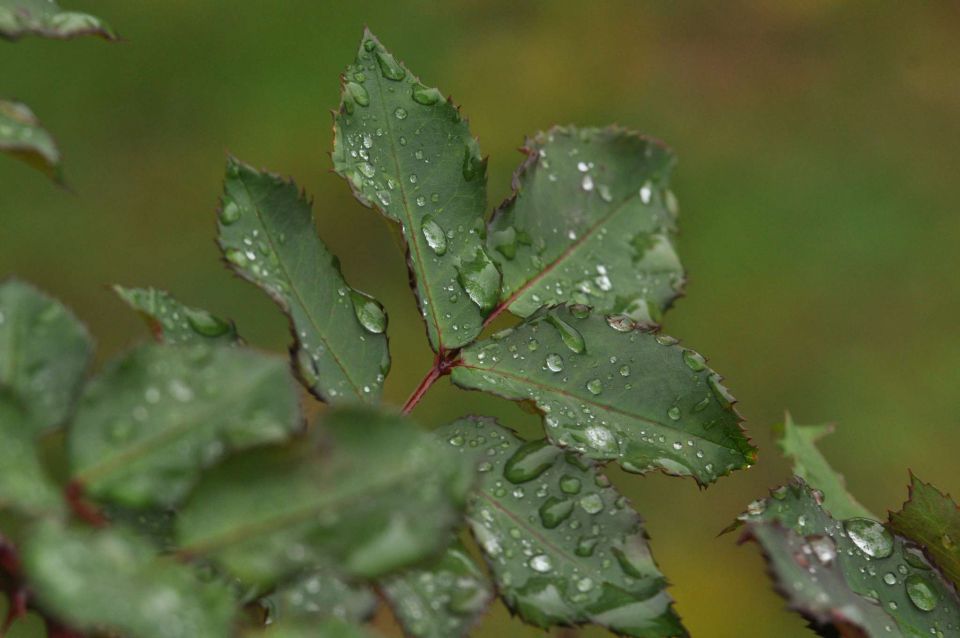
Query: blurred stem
444,362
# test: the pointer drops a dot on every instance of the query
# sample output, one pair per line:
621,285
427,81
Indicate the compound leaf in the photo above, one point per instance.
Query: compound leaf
111,578
156,416
444,599
24,484
798,443
268,238
45,18
886,571
406,150
44,354
612,389
592,222
931,518
368,494
23,137
172,322
564,546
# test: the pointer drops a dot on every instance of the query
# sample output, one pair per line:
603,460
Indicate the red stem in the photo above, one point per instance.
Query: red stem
444,362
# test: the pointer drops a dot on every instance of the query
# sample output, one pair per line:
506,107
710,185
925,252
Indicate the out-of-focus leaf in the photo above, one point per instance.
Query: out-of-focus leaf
931,518
318,595
44,354
441,600
156,416
406,150
369,494
172,322
327,628
591,222
30,625
268,237
798,443
614,390
564,546
23,137
93,578
45,18
885,570
24,485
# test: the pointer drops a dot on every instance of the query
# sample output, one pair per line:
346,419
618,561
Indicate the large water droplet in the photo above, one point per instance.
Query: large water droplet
571,336
389,66
586,545
530,461
369,312
428,96
480,279
434,235
871,537
230,213
205,324
540,563
595,386
358,93
554,511
592,503
694,360
554,362
921,592
570,485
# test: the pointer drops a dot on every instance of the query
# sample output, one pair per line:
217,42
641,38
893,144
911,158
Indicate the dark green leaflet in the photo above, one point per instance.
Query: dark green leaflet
173,322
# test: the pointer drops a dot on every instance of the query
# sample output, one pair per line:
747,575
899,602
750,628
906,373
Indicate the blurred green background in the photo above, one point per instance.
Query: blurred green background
819,185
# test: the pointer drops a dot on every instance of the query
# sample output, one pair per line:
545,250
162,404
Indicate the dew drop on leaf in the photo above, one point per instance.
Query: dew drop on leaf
571,336
595,386
921,592
554,362
369,312
230,213
870,537
389,66
554,511
434,235
530,461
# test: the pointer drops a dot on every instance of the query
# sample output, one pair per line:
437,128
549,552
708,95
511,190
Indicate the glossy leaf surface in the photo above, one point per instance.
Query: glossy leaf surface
613,390
44,354
111,578
592,221
884,569
798,442
23,137
268,237
173,322
156,416
441,600
45,18
369,494
405,150
564,546
320,595
931,518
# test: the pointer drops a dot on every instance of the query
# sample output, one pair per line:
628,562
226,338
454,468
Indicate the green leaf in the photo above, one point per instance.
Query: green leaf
931,518
406,150
93,578
156,416
592,222
268,238
30,625
23,137
327,628
45,18
564,546
798,443
318,595
444,599
369,494
612,389
172,322
885,570
24,484
44,354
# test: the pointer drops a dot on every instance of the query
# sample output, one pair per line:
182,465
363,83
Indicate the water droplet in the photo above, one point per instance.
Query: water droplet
480,279
824,549
571,336
890,578
541,563
621,323
400,113
456,440
425,95
584,585
570,485
871,537
530,461
646,192
389,66
230,213
369,312
554,511
587,183
921,592
592,503
358,93
694,360
674,413
914,557
586,545
595,386
434,235
205,324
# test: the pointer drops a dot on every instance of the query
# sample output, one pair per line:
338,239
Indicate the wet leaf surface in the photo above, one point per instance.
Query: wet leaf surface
45,18
173,322
931,518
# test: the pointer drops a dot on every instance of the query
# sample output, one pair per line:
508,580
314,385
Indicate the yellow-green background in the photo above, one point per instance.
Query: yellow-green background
819,185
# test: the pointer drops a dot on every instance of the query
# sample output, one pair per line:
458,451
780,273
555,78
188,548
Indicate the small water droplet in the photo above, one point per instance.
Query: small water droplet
595,386
389,66
435,236
400,113
554,511
540,563
592,503
674,413
358,93
694,360
230,213
428,96
570,484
